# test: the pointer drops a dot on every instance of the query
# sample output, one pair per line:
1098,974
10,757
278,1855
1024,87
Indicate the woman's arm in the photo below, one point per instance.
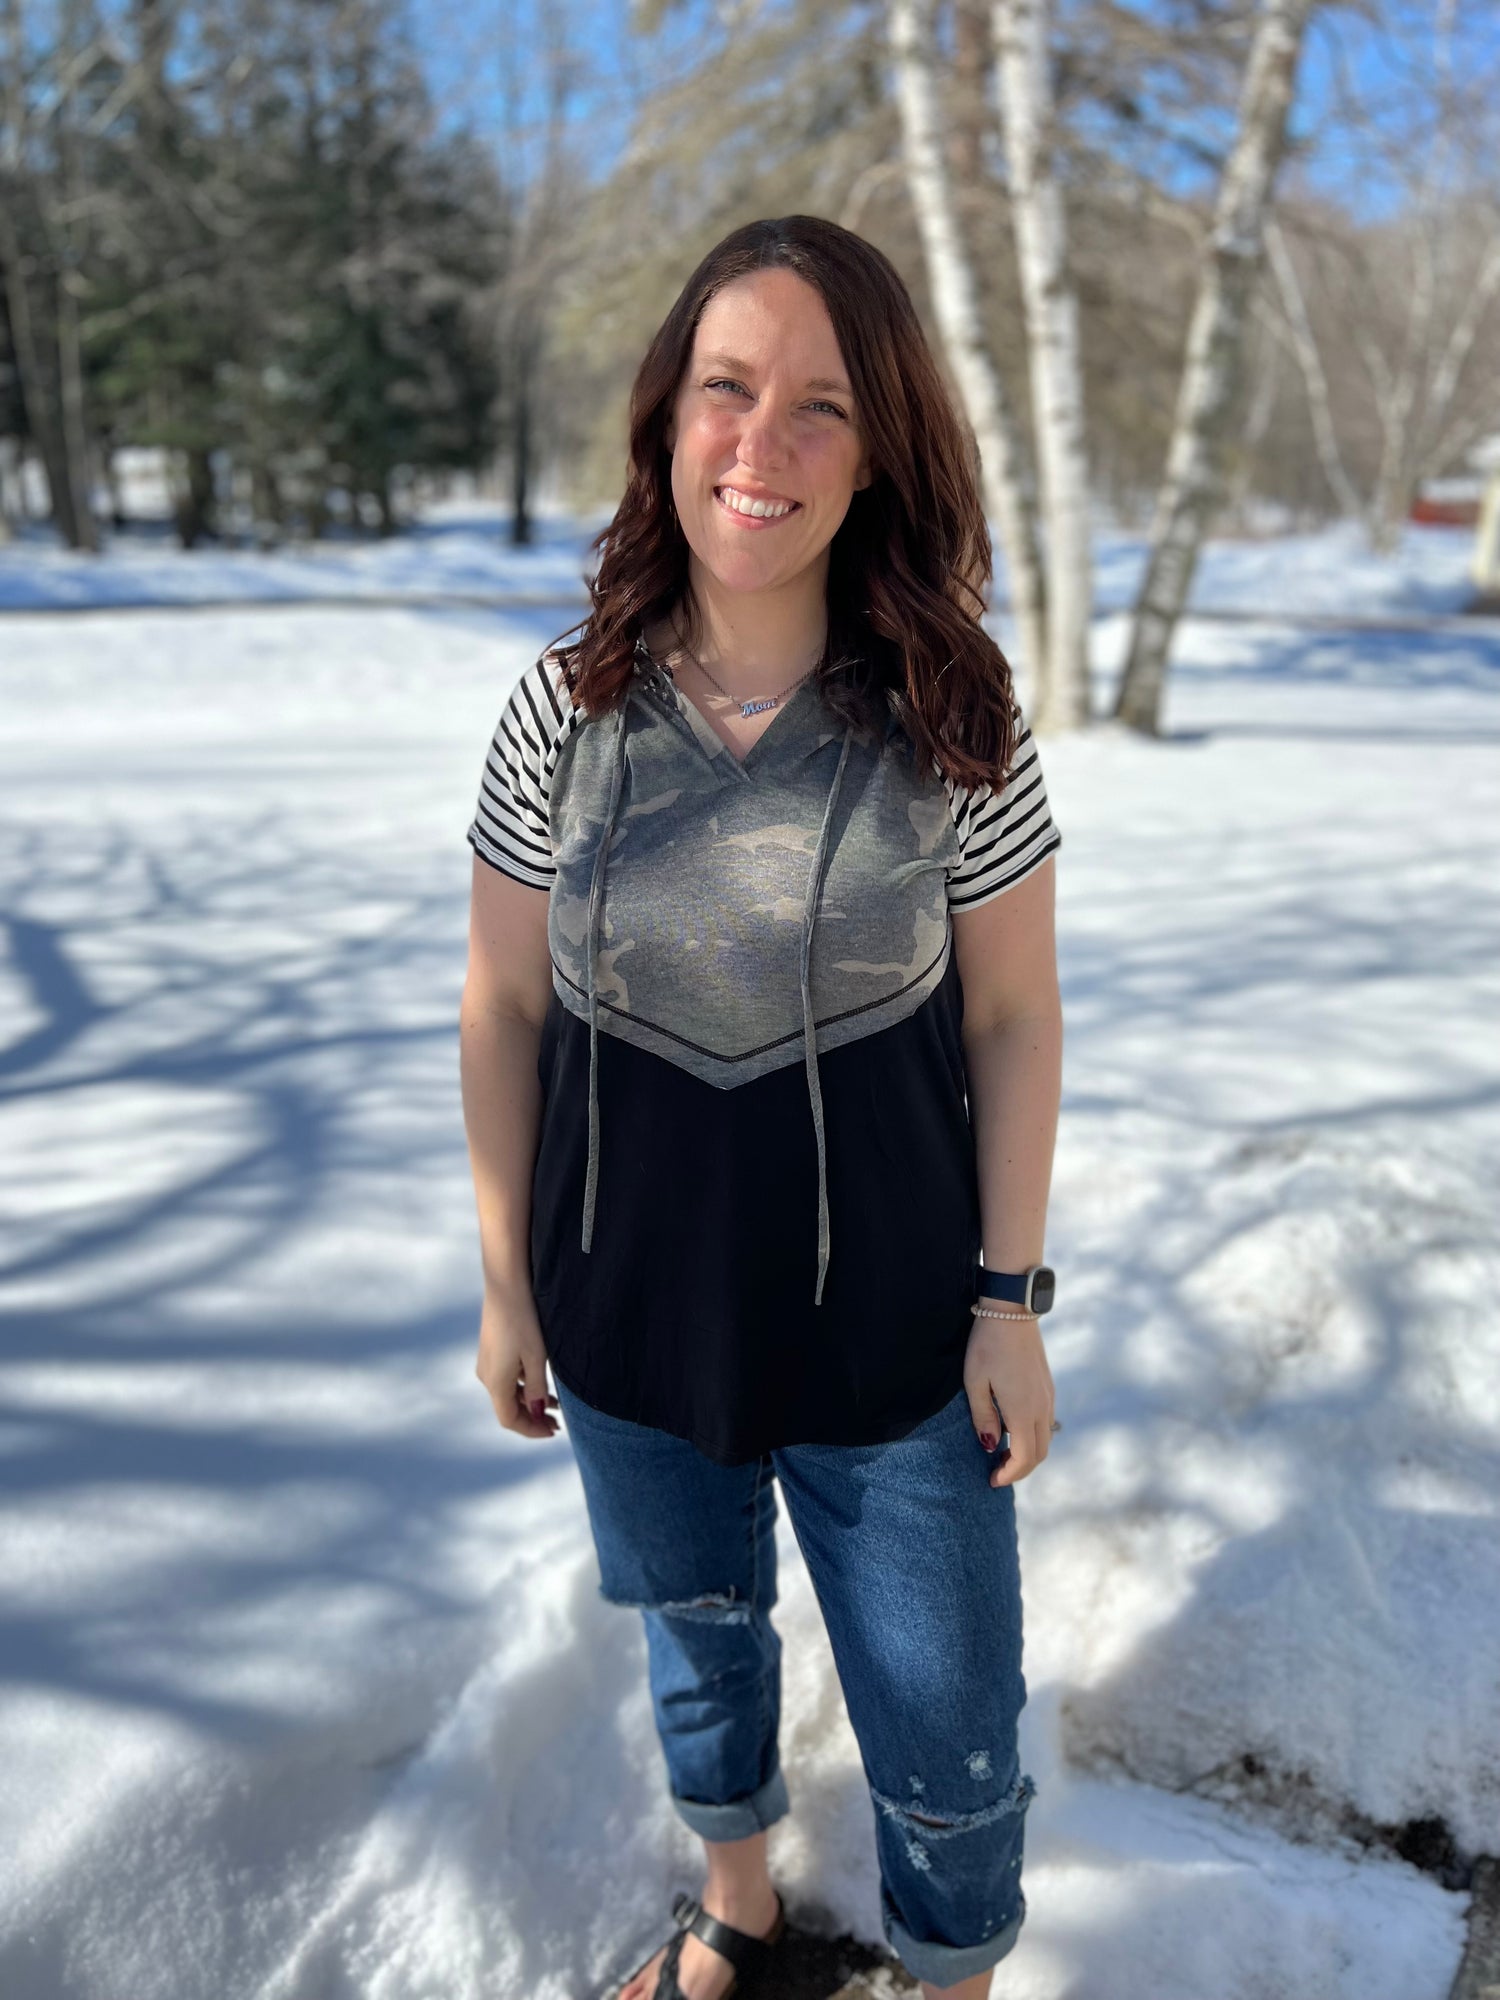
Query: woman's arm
507,990
1012,1036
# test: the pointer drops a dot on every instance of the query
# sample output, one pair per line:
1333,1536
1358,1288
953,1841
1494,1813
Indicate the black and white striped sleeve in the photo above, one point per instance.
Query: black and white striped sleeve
511,828
1004,835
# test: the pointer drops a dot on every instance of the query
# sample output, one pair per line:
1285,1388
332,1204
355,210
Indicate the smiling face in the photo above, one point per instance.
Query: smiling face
764,435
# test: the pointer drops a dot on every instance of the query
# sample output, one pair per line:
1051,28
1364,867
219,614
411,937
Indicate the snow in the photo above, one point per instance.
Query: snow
456,549
307,1685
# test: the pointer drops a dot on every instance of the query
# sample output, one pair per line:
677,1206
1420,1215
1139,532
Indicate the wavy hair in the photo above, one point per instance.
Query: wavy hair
908,565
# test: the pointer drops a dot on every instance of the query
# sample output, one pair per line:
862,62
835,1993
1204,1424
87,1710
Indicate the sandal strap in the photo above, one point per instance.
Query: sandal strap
745,1951
667,1987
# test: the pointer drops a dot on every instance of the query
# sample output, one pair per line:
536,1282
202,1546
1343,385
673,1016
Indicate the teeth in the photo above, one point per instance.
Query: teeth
761,509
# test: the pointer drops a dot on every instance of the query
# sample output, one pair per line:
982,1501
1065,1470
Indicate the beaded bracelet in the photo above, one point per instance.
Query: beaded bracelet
988,1312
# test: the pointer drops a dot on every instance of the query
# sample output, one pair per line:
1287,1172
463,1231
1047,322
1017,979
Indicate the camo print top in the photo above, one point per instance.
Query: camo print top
752,1056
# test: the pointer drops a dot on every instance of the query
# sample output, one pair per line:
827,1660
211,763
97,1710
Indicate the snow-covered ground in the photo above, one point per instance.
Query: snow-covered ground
459,551
307,1692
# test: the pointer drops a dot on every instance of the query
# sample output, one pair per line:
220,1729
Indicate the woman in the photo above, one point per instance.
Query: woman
762,889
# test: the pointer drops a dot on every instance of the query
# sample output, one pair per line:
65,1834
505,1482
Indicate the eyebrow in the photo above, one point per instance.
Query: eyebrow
744,368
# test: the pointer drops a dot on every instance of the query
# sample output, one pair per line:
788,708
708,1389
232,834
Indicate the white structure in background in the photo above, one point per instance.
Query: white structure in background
1485,458
143,482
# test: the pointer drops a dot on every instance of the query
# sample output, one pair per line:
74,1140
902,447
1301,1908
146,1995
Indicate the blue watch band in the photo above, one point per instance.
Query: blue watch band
1009,1285
1033,1289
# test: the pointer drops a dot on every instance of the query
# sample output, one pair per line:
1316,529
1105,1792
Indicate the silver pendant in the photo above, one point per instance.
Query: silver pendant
755,707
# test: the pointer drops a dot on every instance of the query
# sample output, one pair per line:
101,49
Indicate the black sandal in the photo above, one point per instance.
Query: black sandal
747,1953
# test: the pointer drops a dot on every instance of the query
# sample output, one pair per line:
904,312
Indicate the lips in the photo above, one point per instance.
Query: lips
769,499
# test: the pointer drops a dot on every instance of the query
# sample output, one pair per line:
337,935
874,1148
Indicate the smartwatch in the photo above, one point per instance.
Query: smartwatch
1034,1289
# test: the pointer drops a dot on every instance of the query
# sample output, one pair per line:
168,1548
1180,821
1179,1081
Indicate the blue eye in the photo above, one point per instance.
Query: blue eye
723,382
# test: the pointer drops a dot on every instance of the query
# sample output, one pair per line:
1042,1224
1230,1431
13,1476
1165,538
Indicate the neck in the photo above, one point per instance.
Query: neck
755,641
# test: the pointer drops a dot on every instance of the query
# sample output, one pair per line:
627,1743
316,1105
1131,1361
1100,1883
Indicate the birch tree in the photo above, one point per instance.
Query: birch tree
545,194
1021,33
1194,479
39,253
955,305
1413,300
1303,342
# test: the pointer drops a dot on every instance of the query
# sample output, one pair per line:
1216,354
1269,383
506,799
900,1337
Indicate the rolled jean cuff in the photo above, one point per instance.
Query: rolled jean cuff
947,1964
741,1817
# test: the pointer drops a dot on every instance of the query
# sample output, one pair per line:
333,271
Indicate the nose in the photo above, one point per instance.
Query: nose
763,438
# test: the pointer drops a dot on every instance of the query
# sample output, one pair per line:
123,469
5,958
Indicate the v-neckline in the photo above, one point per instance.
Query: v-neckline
712,742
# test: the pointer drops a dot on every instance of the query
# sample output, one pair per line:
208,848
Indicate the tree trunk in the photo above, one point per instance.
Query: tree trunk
1487,539
267,506
955,303
1262,404
522,372
41,412
1040,221
67,229
1314,379
970,116
1215,350
195,498
110,472
11,464
75,439
385,503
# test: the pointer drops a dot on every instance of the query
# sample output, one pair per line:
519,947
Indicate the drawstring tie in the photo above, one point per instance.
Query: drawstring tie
596,898
809,1031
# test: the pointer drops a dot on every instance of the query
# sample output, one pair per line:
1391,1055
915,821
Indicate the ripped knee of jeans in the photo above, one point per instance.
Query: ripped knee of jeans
713,1607
927,1825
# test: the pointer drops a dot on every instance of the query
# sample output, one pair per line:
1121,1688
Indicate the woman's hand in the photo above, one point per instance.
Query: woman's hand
1006,1361
512,1363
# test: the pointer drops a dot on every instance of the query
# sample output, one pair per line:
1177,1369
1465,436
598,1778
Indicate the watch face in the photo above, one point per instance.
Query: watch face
1043,1286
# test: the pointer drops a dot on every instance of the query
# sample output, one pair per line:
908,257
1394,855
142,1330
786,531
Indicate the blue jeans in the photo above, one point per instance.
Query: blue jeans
913,1557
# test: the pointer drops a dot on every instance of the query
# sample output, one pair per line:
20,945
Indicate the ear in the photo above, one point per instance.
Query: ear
864,475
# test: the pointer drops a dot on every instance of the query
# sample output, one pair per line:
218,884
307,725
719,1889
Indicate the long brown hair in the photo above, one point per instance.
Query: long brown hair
907,566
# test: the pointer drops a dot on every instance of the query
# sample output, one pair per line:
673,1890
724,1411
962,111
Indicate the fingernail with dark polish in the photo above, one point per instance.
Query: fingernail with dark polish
988,1440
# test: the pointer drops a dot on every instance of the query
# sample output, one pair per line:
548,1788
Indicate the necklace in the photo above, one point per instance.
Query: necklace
757,702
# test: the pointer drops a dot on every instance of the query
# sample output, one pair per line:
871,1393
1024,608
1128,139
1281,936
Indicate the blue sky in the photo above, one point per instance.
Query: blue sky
1388,68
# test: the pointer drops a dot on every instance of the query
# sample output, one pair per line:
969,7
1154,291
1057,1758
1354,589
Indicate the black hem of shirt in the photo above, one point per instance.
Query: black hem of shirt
888,1433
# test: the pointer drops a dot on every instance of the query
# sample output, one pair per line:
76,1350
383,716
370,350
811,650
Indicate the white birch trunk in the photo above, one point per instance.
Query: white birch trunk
1487,539
1415,397
1443,388
1021,44
1396,393
1216,340
1314,379
955,303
